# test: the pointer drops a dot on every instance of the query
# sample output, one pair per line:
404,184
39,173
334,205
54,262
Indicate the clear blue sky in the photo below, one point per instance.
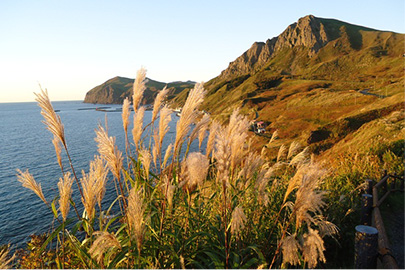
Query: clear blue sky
71,46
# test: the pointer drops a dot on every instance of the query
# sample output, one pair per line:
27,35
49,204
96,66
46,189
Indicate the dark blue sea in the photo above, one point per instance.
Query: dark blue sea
26,144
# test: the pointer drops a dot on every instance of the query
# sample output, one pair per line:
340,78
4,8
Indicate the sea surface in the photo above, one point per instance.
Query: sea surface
25,143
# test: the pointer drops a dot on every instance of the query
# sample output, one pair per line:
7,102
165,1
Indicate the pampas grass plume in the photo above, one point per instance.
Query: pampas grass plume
109,151
188,114
29,182
137,129
197,169
102,244
290,248
167,155
238,221
281,152
145,158
135,212
158,102
294,147
138,88
52,120
58,150
313,248
214,127
125,114
65,191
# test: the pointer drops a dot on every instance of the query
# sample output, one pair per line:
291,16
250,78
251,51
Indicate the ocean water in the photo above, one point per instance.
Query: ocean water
26,144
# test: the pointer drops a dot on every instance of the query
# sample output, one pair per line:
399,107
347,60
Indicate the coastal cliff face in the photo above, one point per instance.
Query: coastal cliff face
115,90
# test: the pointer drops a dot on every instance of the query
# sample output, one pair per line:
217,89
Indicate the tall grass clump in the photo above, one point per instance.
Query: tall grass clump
179,208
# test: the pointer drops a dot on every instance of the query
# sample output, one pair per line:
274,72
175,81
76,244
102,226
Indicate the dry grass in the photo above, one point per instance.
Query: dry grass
135,212
158,103
104,241
29,182
52,120
109,151
125,114
138,123
138,88
65,191
188,116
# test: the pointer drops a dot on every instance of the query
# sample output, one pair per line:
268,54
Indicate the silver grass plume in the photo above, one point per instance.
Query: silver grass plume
281,152
104,242
158,102
125,114
155,152
65,191
58,150
273,137
89,199
138,88
229,145
222,155
294,147
309,200
290,248
197,168
200,127
109,151
52,120
135,215
94,185
145,158
167,155
237,133
261,184
164,120
29,182
100,171
214,127
301,158
325,227
313,248
188,115
138,123
238,221
169,192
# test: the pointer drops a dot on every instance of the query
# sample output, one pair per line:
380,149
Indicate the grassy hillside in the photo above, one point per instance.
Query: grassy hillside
356,78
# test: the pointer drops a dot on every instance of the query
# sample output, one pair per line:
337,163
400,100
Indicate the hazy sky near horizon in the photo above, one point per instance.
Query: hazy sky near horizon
72,46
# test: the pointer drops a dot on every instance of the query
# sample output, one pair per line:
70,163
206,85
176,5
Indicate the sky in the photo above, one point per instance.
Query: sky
69,47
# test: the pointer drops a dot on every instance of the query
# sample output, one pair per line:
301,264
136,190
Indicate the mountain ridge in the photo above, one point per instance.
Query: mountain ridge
310,31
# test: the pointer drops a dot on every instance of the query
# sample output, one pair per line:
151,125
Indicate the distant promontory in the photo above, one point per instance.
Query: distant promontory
115,90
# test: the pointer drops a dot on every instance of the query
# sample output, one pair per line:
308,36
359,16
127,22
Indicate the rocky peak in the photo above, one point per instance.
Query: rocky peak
309,32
